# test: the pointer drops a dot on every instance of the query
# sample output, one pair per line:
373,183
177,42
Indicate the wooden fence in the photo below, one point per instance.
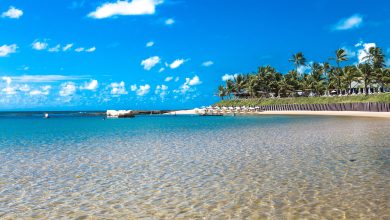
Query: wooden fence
367,107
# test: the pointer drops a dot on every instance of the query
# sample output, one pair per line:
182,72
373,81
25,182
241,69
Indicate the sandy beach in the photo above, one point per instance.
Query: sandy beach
326,113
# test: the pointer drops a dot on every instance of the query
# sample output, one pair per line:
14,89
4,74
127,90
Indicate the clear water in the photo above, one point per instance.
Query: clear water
188,167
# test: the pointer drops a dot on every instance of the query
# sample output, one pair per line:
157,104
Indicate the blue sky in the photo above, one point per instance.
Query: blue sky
166,54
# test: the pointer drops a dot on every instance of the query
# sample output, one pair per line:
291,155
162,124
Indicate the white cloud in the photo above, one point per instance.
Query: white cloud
143,90
169,78
349,23
24,88
177,63
194,81
188,83
150,44
118,88
67,89
13,13
350,53
9,90
133,88
67,47
46,78
37,45
45,90
55,49
90,50
149,63
161,70
79,49
7,79
134,7
364,51
92,85
169,21
6,50
207,63
177,79
161,90
227,77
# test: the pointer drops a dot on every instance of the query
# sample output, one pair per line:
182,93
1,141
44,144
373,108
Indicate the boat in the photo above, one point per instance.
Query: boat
46,115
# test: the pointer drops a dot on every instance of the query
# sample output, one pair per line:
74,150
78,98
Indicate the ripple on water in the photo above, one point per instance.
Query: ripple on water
187,167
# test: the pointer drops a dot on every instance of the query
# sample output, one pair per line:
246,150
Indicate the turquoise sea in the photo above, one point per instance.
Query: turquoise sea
74,166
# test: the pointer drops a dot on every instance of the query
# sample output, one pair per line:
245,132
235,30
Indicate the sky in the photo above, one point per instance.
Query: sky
167,54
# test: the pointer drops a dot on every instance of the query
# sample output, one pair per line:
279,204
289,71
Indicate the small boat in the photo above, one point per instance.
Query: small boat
46,115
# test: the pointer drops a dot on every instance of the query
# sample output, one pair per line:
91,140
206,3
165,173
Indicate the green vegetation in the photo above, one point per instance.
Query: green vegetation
312,83
383,97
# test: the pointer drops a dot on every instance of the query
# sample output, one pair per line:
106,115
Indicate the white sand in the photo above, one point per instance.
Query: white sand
330,113
182,112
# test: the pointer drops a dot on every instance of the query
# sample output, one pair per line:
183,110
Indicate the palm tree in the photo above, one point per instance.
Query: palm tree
351,74
221,92
365,72
317,78
252,85
239,83
375,57
229,88
382,77
341,56
298,59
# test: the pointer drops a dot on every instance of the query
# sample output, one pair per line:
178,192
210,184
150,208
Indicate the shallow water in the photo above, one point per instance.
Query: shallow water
188,167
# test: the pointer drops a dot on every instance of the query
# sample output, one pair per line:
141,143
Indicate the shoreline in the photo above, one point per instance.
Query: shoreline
318,113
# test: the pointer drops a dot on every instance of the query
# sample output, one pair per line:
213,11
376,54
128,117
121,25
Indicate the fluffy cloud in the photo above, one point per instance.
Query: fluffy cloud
349,23
149,63
194,81
38,45
134,7
45,90
150,44
169,21
6,50
188,84
7,79
143,90
207,63
177,63
118,88
133,88
169,78
92,85
55,48
90,50
227,77
79,49
161,90
67,47
46,78
67,89
363,51
13,13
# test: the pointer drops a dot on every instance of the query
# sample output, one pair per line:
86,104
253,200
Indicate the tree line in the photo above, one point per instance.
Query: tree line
327,78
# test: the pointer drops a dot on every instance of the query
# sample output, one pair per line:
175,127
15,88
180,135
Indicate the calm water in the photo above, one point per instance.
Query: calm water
194,167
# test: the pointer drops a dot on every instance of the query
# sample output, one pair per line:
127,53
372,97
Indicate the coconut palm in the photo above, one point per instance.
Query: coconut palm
366,75
221,92
382,77
341,56
375,57
351,74
298,59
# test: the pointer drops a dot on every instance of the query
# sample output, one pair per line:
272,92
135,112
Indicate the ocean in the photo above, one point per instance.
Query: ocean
79,166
